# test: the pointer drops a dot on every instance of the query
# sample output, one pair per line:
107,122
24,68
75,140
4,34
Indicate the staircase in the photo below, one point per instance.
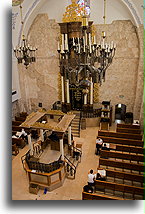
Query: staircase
72,161
76,124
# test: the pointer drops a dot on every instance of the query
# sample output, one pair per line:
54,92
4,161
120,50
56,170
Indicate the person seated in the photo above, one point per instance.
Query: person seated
99,143
23,135
88,188
104,147
99,177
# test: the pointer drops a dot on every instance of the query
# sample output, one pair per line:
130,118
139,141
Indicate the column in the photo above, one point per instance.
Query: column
30,144
69,135
41,135
61,149
67,91
91,93
62,88
85,99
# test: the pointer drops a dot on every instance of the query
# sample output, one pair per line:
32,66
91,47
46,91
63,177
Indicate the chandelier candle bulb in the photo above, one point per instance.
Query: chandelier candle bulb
58,46
94,40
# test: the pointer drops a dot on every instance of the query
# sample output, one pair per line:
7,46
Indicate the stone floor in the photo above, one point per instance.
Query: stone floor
71,189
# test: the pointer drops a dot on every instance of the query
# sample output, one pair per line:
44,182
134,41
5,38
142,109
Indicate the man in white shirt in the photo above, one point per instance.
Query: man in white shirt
99,143
91,178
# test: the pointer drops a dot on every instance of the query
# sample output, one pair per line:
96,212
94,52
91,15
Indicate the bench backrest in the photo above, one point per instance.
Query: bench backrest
139,143
20,118
120,135
126,130
128,126
130,149
123,165
90,196
120,155
16,123
124,175
120,187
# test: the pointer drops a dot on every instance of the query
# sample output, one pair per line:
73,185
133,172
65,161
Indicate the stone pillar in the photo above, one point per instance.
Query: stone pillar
85,99
91,93
30,144
69,135
62,88
41,135
67,91
61,149
140,75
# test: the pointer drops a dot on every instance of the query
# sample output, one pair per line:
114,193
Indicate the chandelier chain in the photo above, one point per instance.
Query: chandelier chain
104,17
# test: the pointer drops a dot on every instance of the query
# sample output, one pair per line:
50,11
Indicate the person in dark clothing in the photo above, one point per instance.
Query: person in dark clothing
99,177
104,147
99,143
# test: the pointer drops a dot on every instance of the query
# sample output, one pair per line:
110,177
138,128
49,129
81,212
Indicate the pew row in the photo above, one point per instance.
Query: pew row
20,118
19,142
120,155
19,129
130,149
128,126
130,131
120,135
15,149
95,196
104,185
125,176
130,142
16,123
123,165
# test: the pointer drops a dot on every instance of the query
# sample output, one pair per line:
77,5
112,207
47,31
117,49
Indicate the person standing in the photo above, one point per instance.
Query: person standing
91,178
99,143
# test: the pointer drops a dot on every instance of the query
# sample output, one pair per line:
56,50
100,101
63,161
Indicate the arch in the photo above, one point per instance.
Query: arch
38,3
131,7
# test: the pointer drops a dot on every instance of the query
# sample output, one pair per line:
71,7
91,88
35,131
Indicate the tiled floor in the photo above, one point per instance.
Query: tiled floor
71,189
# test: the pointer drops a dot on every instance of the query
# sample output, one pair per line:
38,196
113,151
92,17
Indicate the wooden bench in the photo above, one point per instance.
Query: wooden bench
20,118
130,131
16,123
120,155
120,135
23,114
124,176
90,196
123,165
128,126
15,149
103,185
130,149
19,142
130,142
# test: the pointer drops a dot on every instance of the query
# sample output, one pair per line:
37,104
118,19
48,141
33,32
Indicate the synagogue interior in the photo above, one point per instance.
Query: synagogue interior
77,100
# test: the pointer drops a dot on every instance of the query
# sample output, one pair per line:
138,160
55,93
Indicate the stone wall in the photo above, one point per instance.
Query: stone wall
124,77
39,83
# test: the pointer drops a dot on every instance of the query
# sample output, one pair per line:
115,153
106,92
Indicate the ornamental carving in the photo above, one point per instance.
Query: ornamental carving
73,13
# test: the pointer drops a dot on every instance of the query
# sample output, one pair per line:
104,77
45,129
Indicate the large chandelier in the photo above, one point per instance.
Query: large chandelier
25,53
78,55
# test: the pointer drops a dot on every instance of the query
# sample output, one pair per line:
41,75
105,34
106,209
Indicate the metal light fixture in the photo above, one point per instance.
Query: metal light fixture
86,52
25,53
